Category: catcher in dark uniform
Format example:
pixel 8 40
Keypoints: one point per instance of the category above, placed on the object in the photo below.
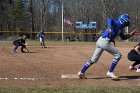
pixel 21 41
pixel 134 55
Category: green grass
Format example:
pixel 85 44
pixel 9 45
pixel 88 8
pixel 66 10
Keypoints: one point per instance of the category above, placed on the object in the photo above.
pixel 49 43
pixel 2 43
pixel 59 43
pixel 72 90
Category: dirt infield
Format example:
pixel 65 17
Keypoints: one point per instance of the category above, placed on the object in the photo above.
pixel 43 67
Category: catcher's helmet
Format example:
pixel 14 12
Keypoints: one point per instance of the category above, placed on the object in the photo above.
pixel 124 20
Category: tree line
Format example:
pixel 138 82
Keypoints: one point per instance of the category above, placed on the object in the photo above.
pixel 31 15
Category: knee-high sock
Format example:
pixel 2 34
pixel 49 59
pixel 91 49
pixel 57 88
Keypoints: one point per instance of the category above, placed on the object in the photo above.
pixel 15 48
pixel 112 67
pixel 86 66
pixel 115 62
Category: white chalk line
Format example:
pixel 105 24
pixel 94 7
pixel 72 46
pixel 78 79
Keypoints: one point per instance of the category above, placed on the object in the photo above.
pixel 31 79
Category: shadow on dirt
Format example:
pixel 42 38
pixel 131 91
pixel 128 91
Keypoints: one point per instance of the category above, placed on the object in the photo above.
pixel 121 77
pixel 129 77
pixel 32 52
pixel 98 78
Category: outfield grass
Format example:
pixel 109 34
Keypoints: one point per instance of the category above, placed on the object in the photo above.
pixel 59 43
pixel 49 43
pixel 72 90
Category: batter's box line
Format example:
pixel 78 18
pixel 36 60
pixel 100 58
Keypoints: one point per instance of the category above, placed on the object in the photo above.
pixel 30 79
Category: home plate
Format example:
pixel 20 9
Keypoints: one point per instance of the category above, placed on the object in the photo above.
pixel 69 76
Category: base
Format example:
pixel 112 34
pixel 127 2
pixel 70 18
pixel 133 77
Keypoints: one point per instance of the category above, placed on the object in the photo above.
pixel 69 76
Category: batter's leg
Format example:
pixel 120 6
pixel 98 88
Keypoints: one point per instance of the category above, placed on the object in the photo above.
pixel 117 56
pixel 93 59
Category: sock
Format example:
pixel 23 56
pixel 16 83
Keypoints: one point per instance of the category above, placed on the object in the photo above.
pixel 86 66
pixel 41 44
pixel 136 63
pixel 15 48
pixel 132 65
pixel 113 65
pixel 139 67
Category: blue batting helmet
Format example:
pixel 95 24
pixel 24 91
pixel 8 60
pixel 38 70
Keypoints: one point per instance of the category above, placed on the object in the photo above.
pixel 124 20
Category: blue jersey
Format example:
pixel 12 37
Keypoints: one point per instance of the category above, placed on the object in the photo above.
pixel 42 34
pixel 116 29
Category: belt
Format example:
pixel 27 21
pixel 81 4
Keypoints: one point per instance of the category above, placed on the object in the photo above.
pixel 105 37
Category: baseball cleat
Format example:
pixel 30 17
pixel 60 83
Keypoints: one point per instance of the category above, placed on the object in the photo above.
pixel 81 75
pixel 138 69
pixel 132 68
pixel 27 51
pixel 111 74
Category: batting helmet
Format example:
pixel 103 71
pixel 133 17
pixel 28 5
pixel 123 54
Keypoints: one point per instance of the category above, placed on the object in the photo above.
pixel 124 20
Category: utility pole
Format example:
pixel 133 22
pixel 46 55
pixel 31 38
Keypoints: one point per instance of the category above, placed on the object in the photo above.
pixel 62 9
pixel 32 19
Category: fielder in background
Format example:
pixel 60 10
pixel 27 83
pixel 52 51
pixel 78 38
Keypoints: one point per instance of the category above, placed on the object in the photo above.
pixel 41 36
pixel 21 41
pixel 115 28
pixel 134 55
pixel 24 44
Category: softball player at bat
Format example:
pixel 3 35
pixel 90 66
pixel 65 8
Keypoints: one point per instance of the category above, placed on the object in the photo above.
pixel 115 28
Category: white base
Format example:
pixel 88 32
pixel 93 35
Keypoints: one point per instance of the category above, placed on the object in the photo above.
pixel 69 76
